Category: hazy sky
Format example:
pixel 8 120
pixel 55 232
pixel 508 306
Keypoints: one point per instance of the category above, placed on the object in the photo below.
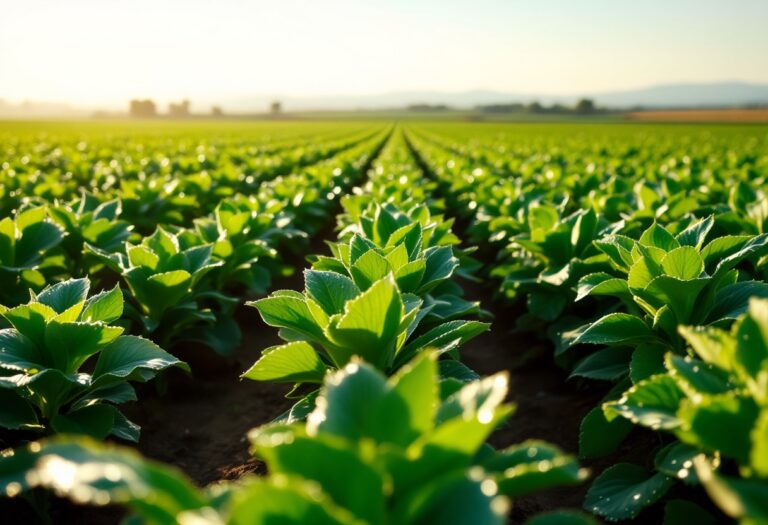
pixel 104 51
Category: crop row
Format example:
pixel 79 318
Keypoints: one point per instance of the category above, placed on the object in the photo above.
pixel 372 349
pixel 175 285
pixel 642 258
pixel 647 268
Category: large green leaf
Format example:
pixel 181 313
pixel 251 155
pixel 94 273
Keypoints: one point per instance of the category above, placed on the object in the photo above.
pixel 442 335
pixel 320 458
pixel 30 320
pixel 18 352
pixel 35 239
pixel 160 291
pixel 64 295
pixel 132 358
pixel 16 412
pixel 696 233
pixel 533 466
pixel 288 311
pixel 294 362
pixel 284 503
pixel 369 268
pixel 751 354
pixel 683 263
pixel 407 409
pixel 441 264
pixel 106 306
pixel 344 406
pixel 68 345
pixel 711 344
pixel 745 499
pixel 410 275
pixel 720 248
pixel 732 300
pixel 98 473
pixel 676 461
pixel 720 423
pixel 697 377
pixel 624 490
pixel 330 290
pixel 656 236
pixel 759 437
pixel 454 500
pixel 369 325
pixel 617 328
pixel 652 403
pixel 95 421
pixel 601 283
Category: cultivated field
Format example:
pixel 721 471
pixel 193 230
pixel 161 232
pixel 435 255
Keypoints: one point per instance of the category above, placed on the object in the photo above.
pixel 702 115
pixel 370 322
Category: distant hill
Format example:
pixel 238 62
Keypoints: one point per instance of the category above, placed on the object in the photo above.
pixel 688 95
pixel 720 94
pixel 669 96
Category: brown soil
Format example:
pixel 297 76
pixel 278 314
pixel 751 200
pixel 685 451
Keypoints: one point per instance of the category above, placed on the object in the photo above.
pixel 201 424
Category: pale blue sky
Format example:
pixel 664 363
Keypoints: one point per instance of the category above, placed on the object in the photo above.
pixel 105 51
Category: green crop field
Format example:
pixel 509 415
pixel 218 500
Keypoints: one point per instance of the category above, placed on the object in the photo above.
pixel 383 323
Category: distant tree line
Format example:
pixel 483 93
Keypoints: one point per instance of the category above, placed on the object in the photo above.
pixel 429 107
pixel 585 106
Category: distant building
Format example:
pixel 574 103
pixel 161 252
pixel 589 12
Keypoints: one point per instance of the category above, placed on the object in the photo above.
pixel 142 108
pixel 276 108
pixel 179 110
pixel 216 111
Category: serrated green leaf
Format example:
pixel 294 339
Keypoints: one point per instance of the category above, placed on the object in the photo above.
pixel 624 490
pixel 652 403
pixel 369 325
pixel 616 328
pixel 330 290
pixel 683 263
pixel 294 362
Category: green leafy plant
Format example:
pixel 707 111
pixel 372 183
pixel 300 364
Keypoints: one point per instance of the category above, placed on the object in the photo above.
pixel 87 220
pixel 46 383
pixel 25 244
pixel 414 459
pixel 168 291
pixel 244 240
pixel 716 403
pixel 669 281
pixel 373 300
pixel 548 259
pixel 418 248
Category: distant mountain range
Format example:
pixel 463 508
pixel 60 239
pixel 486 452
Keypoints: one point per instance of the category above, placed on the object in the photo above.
pixel 663 96
pixel 719 94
